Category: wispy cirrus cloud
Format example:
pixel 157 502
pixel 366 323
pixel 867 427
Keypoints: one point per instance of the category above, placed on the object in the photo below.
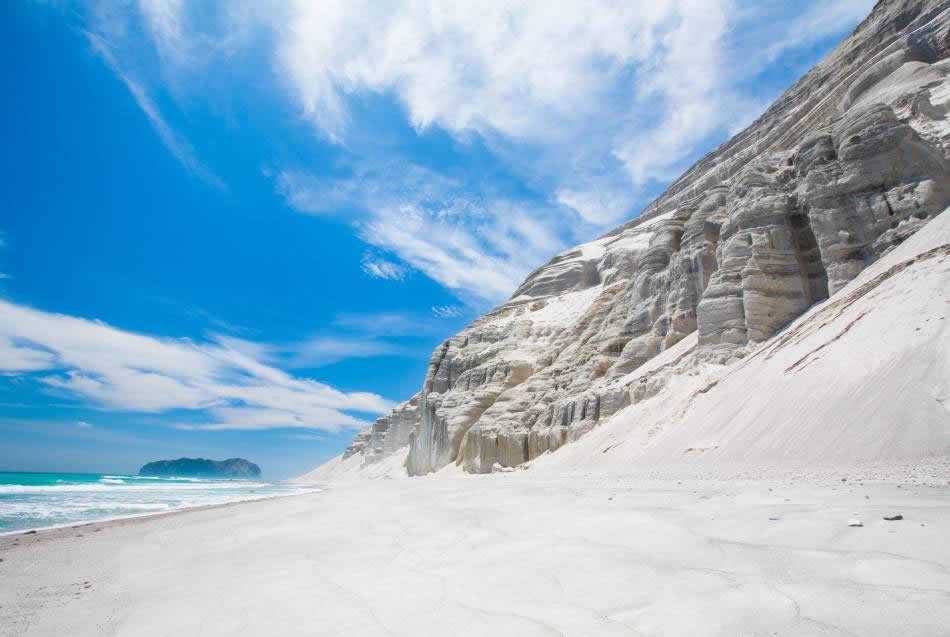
pixel 3 242
pixel 323 350
pixel 475 244
pixel 218 384
pixel 447 311
pixel 604 91
pixel 307 437
pixel 318 350
pixel 820 21
pixel 177 144
pixel 591 107
pixel 395 323
pixel 381 268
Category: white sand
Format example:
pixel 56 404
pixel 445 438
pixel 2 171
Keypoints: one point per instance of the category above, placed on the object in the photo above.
pixel 522 554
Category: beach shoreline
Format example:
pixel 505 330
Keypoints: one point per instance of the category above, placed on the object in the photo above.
pixel 526 553
pixel 67 526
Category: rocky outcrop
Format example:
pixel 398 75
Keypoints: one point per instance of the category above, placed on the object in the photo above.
pixel 801 225
pixel 238 468
pixel 846 165
pixel 387 434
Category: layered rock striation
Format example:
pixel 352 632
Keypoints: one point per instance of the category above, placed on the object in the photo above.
pixel 845 166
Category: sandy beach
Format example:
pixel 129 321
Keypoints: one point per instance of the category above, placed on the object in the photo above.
pixel 524 553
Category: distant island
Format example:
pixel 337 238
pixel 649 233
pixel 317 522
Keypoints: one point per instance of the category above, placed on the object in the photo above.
pixel 202 468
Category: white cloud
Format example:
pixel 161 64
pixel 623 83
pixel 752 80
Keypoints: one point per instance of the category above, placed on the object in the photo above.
pixel 308 437
pixel 316 351
pixel 165 20
pixel 823 20
pixel 176 143
pixel 388 324
pixel 19 356
pixel 380 268
pixel 596 205
pixel 448 251
pixel 583 77
pixel 230 418
pixel 447 311
pixel 3 276
pixel 591 105
pixel 391 323
pixel 478 245
pixel 507 66
pixel 324 350
pixel 118 370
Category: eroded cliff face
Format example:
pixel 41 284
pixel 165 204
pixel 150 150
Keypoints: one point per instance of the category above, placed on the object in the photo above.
pixel 388 434
pixel 845 166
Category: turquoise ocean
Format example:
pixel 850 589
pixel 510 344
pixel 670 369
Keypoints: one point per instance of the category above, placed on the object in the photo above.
pixel 37 500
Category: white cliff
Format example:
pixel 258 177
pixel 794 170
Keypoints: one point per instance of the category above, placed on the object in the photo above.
pixel 642 333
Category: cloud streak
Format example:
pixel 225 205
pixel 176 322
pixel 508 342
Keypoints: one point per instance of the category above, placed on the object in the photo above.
pixel 395 324
pixel 380 268
pixel 177 144
pixel 217 385
pixel 447 311
pixel 475 243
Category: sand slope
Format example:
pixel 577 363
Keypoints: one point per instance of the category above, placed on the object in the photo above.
pixel 864 376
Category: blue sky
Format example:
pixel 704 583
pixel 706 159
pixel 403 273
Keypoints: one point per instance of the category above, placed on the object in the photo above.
pixel 239 228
